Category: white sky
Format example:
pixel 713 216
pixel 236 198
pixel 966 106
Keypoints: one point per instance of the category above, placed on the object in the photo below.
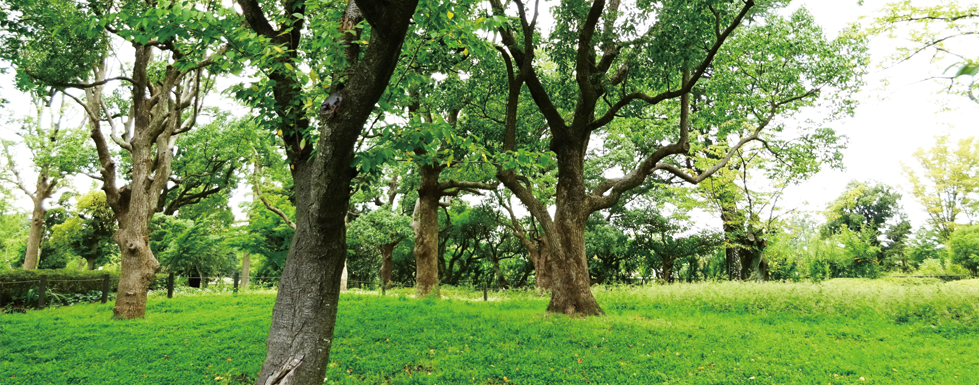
pixel 891 122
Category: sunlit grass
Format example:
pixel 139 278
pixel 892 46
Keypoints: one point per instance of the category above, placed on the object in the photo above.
pixel 838 331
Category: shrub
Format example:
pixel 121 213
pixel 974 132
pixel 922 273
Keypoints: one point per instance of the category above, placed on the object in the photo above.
pixel 964 247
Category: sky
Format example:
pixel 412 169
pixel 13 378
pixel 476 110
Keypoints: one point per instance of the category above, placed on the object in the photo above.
pixel 900 111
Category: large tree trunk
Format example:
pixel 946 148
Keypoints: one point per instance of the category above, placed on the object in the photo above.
pixel 570 281
pixel 757 266
pixel 425 224
pixel 387 263
pixel 31 258
pixel 668 270
pixel 542 277
pixel 305 311
pixel 138 263
pixel 306 305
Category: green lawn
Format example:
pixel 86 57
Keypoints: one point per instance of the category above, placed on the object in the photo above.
pixel 839 332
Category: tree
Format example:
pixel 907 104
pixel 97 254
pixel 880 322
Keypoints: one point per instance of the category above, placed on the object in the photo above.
pixel 963 247
pixel 57 152
pixel 164 100
pixel 305 309
pixel 607 72
pixel 861 206
pixel 193 248
pixel 948 183
pixel 381 229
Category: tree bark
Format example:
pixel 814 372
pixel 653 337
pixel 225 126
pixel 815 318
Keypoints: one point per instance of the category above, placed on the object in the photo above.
pixel 305 310
pixel 387 263
pixel 425 226
pixel 42 191
pixel 246 267
pixel 668 270
pixel 571 283
pixel 32 257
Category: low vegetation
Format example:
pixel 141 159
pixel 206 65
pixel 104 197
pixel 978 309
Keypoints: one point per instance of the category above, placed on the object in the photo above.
pixel 841 331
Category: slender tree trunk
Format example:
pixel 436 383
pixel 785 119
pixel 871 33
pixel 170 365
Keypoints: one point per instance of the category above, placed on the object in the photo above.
pixel 32 257
pixel 500 278
pixel 90 264
pixel 387 263
pixel 246 267
pixel 343 277
pixel 425 225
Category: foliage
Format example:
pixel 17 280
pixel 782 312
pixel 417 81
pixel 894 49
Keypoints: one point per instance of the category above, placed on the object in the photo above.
pixel 890 333
pixel 939 266
pixel 191 248
pixel 267 237
pixel 862 206
pixel 369 232
pixel 87 232
pixel 41 41
pixel 963 247
pixel 948 183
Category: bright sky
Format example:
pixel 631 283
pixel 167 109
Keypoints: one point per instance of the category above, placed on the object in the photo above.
pixel 891 122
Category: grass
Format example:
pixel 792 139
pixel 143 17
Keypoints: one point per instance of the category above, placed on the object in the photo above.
pixel 839 332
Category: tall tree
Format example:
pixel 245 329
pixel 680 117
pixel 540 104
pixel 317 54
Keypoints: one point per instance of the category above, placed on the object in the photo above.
pixel 57 152
pixel 949 182
pixel 305 309
pixel 637 69
pixel 862 205
pixel 173 43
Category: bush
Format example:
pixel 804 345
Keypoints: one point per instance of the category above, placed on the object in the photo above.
pixel 964 247
pixel 19 287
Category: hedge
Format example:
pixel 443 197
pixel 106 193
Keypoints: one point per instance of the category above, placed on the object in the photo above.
pixel 14 285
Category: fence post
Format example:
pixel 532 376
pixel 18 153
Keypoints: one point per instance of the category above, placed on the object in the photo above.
pixel 485 295
pixel 236 282
pixel 105 288
pixel 170 285
pixel 40 293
